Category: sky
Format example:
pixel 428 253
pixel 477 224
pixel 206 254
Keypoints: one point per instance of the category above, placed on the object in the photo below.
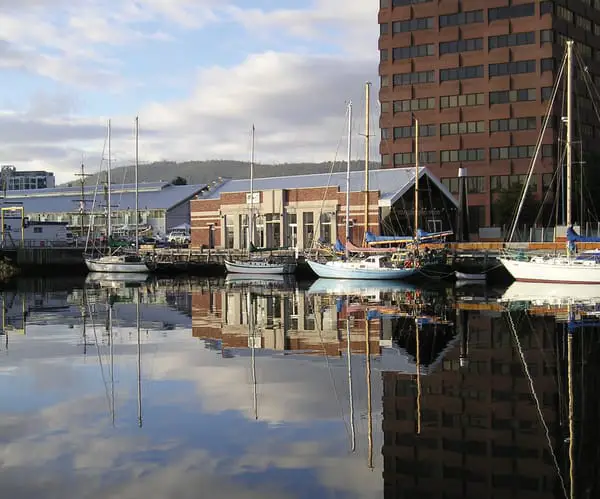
pixel 198 73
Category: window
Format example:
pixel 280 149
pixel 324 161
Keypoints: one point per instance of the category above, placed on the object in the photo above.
pixel 409 25
pixel 476 220
pixel 325 228
pixel 400 53
pixel 583 23
pixel 460 128
pixel 564 13
pixel 546 7
pixel 461 100
pixel 403 132
pixel 547 36
pixel 513 124
pixel 386 134
pixel 512 40
pixel 546 93
pixel 499 183
pixel 512 68
pixel 475 185
pixel 385 160
pixel 511 11
pixel 412 78
pixel 404 106
pixel 400 3
pixel 385 107
pixel 513 152
pixel 547 151
pixel 470 17
pixel 37 230
pixel 452 156
pixel 462 73
pixel 384 29
pixel 408 158
pixel 547 64
pixel 229 232
pixel 506 96
pixel 451 184
pixel 308 228
pixel 456 46
pixel 384 81
pixel 383 55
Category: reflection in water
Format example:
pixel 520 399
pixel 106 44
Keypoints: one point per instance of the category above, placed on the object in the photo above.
pixel 246 389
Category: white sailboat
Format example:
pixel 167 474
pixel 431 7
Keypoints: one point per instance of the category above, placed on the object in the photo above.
pixel 371 267
pixel 258 266
pixel 556 269
pixel 119 262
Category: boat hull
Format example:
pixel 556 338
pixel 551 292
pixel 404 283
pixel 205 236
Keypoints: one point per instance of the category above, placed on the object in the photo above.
pixel 462 276
pixel 341 272
pixel 259 268
pixel 97 265
pixel 569 272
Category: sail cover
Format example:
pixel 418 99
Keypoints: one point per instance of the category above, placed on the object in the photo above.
pixel 573 237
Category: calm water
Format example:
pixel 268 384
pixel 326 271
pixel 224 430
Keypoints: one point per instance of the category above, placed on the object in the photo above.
pixel 193 388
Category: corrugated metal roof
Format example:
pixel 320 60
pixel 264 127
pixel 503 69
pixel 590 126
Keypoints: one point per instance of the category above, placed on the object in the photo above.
pixel 152 195
pixel 391 183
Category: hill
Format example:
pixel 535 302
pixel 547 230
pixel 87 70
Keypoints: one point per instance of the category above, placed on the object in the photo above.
pixel 204 172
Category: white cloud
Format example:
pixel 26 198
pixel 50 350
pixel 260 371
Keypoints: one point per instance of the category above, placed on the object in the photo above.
pixel 295 98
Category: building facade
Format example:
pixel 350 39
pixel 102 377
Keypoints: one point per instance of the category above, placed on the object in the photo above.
pixel 26 180
pixel 478 76
pixel 297 211
pixel 161 206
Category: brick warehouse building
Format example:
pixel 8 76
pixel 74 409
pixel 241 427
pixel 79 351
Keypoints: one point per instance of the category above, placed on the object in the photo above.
pixel 478 76
pixel 296 210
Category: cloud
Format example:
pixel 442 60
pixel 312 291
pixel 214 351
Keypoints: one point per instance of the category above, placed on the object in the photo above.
pixel 300 68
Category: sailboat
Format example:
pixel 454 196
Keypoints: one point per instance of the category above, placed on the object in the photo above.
pixel 371 267
pixel 558 269
pixel 256 266
pixel 119 262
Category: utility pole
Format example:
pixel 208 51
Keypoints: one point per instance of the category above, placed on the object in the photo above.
pixel 82 175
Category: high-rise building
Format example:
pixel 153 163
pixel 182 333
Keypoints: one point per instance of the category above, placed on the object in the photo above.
pixel 478 76
pixel 25 180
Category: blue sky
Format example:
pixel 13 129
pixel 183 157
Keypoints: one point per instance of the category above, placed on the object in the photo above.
pixel 197 72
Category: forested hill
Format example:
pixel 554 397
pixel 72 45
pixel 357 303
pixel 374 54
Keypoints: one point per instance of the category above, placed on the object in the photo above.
pixel 204 172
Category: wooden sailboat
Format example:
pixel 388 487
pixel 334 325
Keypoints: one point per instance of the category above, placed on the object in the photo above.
pixel 257 266
pixel 561 269
pixel 119 262
pixel 372 267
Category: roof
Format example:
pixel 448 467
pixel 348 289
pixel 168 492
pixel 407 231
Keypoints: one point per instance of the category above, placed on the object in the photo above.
pixel 392 183
pixel 152 195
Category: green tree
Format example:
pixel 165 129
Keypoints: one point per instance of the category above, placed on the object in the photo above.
pixel 505 206
pixel 179 181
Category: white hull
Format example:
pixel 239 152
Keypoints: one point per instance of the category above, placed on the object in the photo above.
pixel 115 265
pixel 551 293
pixel 259 268
pixel 557 270
pixel 341 287
pixel 351 270
pixel 461 276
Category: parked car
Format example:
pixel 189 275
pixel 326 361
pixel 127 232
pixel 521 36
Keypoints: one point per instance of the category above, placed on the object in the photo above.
pixel 179 237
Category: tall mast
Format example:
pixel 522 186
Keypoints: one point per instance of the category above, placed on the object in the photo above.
pixel 416 177
pixel 137 165
pixel 569 131
pixel 108 181
pixel 347 253
pixel 139 359
pixel 251 215
pixel 350 392
pixel 367 153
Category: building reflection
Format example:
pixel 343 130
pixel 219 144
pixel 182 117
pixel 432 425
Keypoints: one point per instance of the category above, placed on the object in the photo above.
pixel 483 415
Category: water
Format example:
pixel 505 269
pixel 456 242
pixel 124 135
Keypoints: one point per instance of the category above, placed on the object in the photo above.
pixel 457 397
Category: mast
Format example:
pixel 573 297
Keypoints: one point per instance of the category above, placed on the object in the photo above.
pixel 109 189
pixel 139 359
pixel 351 394
pixel 137 165
pixel 569 130
pixel 367 154
pixel 369 403
pixel 251 215
pixel 347 253
pixel 416 177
